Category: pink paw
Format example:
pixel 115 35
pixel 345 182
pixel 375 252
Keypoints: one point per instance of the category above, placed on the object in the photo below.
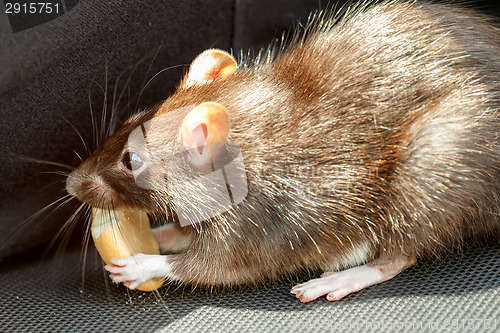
pixel 336 285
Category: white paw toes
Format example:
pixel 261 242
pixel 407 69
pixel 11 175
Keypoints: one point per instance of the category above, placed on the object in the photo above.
pixel 137 269
pixel 336 285
pixel 315 288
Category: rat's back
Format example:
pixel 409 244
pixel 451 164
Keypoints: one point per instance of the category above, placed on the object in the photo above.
pixel 396 109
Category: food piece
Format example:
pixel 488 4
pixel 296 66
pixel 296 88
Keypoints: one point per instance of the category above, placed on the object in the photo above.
pixel 120 234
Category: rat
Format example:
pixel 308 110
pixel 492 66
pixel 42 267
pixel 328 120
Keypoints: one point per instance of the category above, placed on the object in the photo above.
pixel 367 143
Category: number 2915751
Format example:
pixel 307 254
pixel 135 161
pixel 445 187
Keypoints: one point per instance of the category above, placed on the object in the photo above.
pixel 31 8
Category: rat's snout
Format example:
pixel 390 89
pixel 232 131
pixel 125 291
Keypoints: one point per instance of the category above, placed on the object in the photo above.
pixel 91 189
pixel 74 183
pixel 82 186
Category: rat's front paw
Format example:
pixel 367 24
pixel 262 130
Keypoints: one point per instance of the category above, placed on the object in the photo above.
pixel 137 269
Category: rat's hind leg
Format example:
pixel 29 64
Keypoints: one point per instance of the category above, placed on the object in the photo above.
pixel 172 237
pixel 336 285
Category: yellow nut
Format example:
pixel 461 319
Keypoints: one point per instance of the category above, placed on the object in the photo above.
pixel 120 234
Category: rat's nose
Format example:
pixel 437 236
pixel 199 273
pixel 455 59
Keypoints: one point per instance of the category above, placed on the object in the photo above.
pixel 71 184
pixel 88 188
pixel 76 183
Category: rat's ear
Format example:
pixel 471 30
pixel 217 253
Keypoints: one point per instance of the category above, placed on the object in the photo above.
pixel 203 128
pixel 210 65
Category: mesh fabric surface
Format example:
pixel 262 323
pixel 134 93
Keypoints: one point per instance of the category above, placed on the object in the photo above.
pixel 458 294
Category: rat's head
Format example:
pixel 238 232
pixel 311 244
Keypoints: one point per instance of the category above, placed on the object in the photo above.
pixel 154 156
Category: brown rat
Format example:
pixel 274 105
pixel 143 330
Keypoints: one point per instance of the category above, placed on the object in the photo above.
pixel 365 144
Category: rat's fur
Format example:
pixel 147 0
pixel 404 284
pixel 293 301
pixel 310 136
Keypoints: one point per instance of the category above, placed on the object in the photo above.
pixel 377 135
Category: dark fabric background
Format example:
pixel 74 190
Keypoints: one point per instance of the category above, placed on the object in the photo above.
pixel 47 74
pixel 52 69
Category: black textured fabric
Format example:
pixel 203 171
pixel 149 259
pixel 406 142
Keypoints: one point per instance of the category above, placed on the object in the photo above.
pixel 257 22
pixel 48 73
pixel 460 293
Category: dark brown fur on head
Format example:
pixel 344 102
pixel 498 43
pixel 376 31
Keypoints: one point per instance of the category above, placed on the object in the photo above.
pixel 378 132
pixel 103 180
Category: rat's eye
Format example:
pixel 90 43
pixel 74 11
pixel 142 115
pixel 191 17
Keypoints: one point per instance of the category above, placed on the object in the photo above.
pixel 133 161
